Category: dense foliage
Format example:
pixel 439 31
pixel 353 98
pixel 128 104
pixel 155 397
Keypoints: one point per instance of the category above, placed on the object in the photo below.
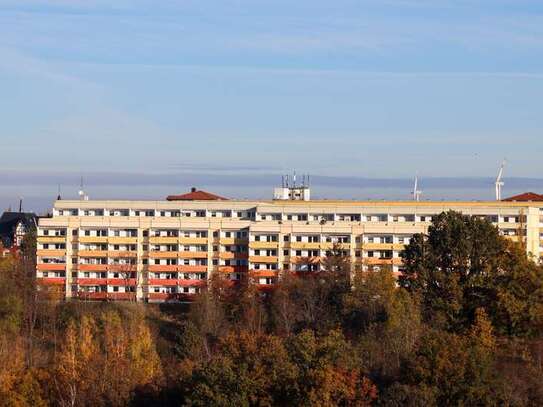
pixel 462 326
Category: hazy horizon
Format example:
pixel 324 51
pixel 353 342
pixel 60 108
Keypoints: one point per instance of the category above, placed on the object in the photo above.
pixel 40 190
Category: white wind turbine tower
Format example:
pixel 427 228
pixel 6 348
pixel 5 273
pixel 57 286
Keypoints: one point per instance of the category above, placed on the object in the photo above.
pixel 416 191
pixel 499 182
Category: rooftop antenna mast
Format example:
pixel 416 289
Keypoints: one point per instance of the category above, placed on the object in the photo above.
pixel 82 195
pixel 416 191
pixel 499 181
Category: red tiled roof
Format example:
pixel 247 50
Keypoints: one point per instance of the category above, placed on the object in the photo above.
pixel 195 195
pixel 525 197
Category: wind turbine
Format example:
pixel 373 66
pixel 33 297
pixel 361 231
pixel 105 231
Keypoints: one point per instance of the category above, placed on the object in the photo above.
pixel 499 182
pixel 416 191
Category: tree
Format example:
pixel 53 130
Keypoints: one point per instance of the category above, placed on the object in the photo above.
pixel 384 319
pixel 458 267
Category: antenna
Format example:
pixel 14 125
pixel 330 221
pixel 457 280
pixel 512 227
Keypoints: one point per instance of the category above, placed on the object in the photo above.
pixel 416 191
pixel 82 195
pixel 499 181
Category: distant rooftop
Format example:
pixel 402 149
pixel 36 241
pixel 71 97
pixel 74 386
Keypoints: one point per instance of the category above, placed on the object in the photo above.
pixel 196 195
pixel 525 197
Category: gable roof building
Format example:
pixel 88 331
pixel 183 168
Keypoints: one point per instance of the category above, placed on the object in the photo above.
pixel 13 227
pixel 196 195
pixel 525 197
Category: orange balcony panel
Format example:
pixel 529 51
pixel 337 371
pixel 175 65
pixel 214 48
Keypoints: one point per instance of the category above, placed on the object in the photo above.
pixel 193 255
pixel 233 269
pixel 193 240
pixel 51 281
pixel 163 255
pixel 233 255
pixel 160 268
pixel 92 253
pixel 263 259
pixel 92 296
pixel 192 269
pixel 51 267
pixel 121 282
pixel 122 254
pixel 91 281
pixel 163 240
pixel 51 252
pixel 226 255
pixel 123 268
pixel 192 283
pixel 377 261
pixel 264 273
pixel 92 267
pixel 163 282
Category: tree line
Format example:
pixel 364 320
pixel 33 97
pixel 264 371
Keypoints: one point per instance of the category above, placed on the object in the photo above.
pixel 463 325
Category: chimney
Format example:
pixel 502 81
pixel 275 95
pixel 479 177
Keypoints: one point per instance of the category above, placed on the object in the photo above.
pixel 20 205
pixel 193 189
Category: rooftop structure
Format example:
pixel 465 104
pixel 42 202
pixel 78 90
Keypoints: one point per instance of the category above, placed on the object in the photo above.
pixel 195 195
pixel 525 197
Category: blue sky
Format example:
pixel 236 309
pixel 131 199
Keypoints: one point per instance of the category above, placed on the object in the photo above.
pixel 367 88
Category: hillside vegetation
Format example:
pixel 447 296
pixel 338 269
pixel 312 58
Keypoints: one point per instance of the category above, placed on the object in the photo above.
pixel 462 326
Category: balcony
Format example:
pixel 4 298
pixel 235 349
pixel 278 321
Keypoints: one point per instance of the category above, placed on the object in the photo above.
pixel 195 269
pixel 163 282
pixel 381 246
pixel 51 252
pixel 124 268
pixel 264 273
pixel 92 239
pixel 90 281
pixel 164 240
pixel 122 240
pixel 233 269
pixel 91 267
pixel 51 266
pixel 164 268
pixel 51 281
pixel 51 239
pixel 192 240
pixel 163 255
pixel 263 245
pixel 382 261
pixel 122 254
pixel 122 282
pixel 193 255
pixel 232 241
pixel 304 245
pixel 192 283
pixel 263 259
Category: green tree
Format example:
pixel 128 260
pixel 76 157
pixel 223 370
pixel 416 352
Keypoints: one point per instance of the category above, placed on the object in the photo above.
pixel 464 264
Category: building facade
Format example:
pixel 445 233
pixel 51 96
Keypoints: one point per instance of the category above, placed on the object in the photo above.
pixel 167 250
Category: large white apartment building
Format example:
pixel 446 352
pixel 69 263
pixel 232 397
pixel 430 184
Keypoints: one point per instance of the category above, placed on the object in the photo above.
pixel 167 250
